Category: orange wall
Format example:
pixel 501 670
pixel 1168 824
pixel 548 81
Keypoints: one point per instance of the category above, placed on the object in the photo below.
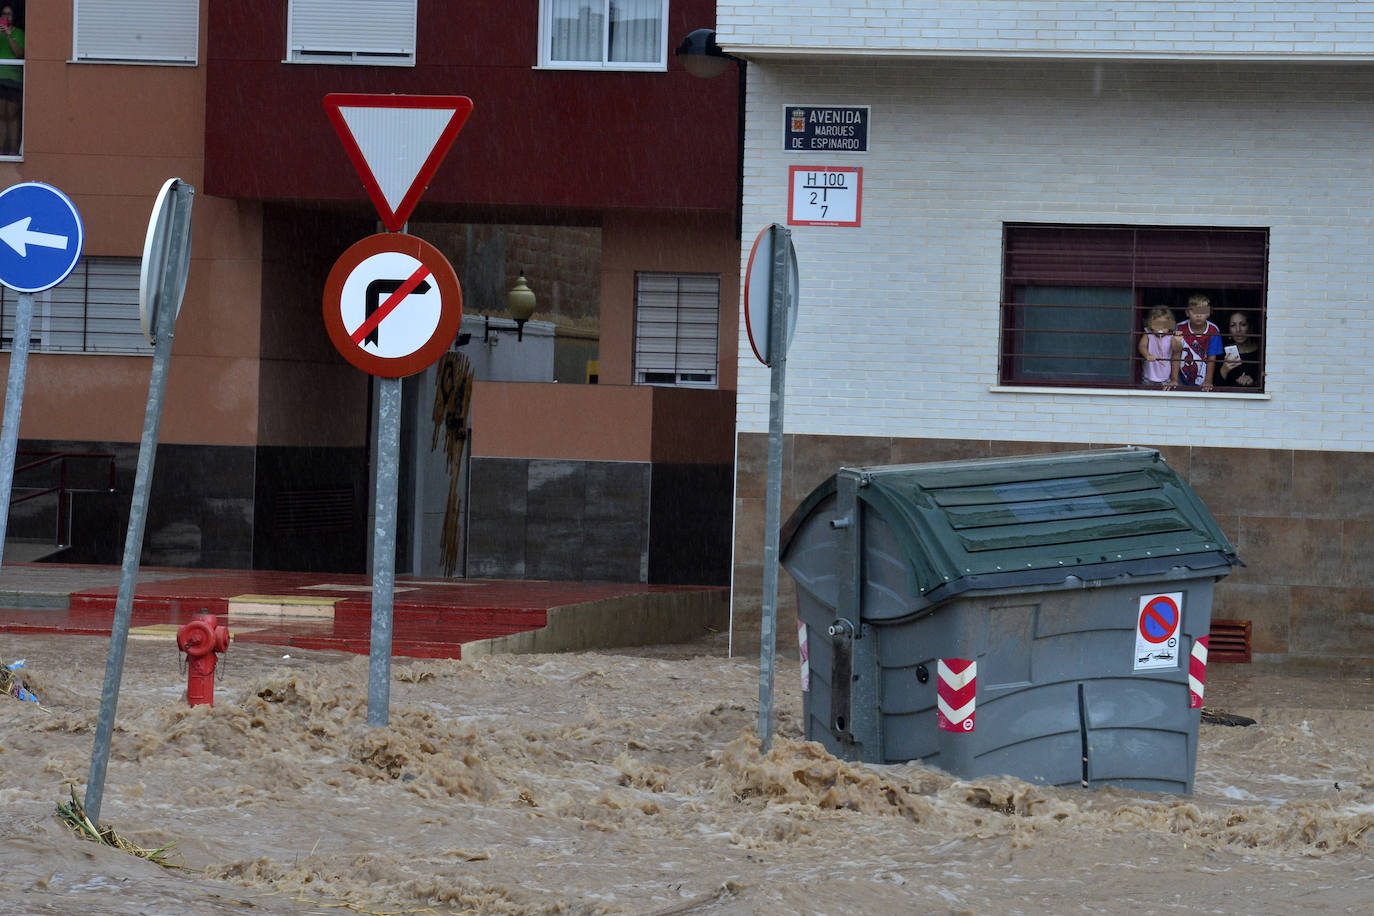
pixel 602 422
pixel 579 422
pixel 109 136
pixel 678 242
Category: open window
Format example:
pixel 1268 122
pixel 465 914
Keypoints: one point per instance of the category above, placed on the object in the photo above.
pixel 603 34
pixel 1075 298
pixel 11 80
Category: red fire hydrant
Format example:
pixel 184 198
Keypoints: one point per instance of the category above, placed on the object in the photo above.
pixel 201 640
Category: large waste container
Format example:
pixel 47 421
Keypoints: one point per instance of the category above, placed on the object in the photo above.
pixel 1037 616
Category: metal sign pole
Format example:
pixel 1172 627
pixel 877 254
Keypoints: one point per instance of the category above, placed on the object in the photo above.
pixel 171 287
pixel 772 512
pixel 133 546
pixel 14 406
pixel 384 550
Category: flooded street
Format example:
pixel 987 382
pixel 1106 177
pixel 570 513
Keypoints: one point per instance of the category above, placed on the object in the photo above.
pixel 631 783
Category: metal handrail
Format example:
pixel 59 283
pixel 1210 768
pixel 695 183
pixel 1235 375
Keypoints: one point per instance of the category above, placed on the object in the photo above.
pixel 63 492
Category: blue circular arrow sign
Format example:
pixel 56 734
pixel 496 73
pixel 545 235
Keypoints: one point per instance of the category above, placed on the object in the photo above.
pixel 40 236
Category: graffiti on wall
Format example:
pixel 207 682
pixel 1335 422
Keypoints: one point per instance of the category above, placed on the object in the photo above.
pixel 452 398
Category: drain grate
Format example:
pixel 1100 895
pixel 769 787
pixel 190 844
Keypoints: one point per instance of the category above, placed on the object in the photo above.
pixel 1229 641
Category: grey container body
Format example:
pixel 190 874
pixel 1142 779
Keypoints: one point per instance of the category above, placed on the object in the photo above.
pixel 1059 700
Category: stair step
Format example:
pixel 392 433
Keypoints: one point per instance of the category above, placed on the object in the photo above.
pixel 22 550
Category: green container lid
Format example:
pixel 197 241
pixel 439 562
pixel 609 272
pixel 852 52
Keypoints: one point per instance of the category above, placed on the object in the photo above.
pixel 1000 522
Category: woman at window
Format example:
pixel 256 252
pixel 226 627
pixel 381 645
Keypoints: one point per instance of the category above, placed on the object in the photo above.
pixel 11 82
pixel 1240 366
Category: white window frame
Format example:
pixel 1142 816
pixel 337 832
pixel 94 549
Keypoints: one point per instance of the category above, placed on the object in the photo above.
pixel 546 60
pixel 165 32
pixel 323 32
pixel 673 350
pixel 94 310
pixel 23 109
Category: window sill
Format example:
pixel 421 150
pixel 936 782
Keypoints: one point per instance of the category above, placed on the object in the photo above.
pixel 603 68
pixel 1134 392
pixel 133 62
pixel 346 62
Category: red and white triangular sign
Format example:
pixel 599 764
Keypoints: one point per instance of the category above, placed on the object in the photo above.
pixel 396 143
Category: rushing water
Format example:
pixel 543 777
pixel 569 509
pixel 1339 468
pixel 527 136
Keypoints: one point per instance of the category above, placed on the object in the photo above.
pixel 632 783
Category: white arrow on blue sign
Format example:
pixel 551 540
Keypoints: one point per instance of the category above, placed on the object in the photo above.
pixel 40 236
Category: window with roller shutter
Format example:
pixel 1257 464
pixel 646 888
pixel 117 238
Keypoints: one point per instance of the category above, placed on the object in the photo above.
pixel 677 328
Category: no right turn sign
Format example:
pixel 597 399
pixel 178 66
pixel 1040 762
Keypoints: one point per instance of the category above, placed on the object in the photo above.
pixel 392 305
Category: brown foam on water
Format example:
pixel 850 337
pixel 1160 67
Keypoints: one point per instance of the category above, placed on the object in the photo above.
pixel 594 783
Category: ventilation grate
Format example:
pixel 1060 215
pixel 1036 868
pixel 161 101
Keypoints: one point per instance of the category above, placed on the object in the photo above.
pixel 1229 641
pixel 314 511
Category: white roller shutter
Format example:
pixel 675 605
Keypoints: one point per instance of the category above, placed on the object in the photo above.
pixel 155 31
pixel 94 310
pixel 677 322
pixel 361 31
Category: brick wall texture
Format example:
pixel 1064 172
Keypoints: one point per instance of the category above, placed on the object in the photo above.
pixel 899 319
pixel 1270 28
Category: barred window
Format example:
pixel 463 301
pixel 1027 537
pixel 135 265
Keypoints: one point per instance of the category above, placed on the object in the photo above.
pixel 677 324
pixel 1075 301
pixel 94 310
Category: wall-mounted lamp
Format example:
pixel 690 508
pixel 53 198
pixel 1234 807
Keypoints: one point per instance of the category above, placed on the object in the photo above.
pixel 702 57
pixel 520 304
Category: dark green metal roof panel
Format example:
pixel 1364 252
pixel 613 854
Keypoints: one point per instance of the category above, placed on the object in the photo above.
pixel 1058 511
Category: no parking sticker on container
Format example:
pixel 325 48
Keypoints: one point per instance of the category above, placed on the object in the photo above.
pixel 1157 629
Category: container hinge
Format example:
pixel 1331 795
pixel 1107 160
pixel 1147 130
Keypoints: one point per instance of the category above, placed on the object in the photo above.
pixel 841 677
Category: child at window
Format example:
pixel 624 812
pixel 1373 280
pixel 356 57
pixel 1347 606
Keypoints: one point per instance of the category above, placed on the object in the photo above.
pixel 1160 347
pixel 1201 344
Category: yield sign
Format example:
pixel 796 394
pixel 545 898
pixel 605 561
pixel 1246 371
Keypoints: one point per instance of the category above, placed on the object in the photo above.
pixel 396 143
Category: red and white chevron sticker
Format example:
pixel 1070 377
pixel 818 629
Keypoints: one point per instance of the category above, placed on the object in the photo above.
pixel 1197 672
pixel 955 692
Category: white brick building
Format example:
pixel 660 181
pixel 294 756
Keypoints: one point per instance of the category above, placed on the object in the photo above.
pixel 1187 128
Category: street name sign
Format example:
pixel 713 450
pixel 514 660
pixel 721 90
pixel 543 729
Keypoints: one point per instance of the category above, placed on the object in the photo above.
pixel 392 304
pixel 825 128
pixel 40 236
pixel 396 143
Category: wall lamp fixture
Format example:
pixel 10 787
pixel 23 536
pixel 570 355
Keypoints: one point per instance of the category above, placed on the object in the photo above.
pixel 520 303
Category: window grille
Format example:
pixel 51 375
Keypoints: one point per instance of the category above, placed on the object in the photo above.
pixel 1075 298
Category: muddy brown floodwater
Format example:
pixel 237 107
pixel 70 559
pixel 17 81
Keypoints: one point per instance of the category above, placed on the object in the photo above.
pixel 631 782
